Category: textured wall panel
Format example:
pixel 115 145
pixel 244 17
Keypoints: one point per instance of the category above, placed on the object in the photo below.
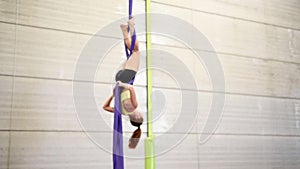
pixel 243 152
pixel 54 54
pixel 4 146
pixel 242 114
pixel 5 101
pixel 282 13
pixel 183 155
pixel 41 104
pixel 172 115
pixel 44 53
pixel 242 75
pixel 78 16
pixel 8 10
pixel 256 115
pixel 68 150
pixel 56 150
pixel 238 37
pixel 7 47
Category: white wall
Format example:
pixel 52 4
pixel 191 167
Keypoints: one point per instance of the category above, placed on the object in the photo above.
pixel 258 44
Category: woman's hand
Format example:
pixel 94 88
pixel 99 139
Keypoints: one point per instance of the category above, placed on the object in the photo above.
pixel 125 85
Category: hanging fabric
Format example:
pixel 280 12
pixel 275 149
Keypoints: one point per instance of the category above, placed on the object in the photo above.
pixel 118 159
pixel 133 38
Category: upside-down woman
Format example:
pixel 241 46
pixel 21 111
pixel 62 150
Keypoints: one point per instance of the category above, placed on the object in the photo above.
pixel 123 77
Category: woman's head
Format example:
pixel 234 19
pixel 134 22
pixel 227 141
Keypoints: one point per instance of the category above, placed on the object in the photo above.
pixel 136 118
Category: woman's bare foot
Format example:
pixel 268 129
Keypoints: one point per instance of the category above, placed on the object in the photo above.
pixel 131 21
pixel 124 29
pixel 131 25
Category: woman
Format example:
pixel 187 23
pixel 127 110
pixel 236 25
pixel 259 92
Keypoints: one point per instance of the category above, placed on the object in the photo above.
pixel 123 77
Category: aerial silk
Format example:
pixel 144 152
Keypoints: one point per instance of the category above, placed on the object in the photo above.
pixel 118 154
pixel 118 160
pixel 133 38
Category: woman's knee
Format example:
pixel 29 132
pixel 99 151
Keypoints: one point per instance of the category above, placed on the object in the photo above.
pixel 128 42
pixel 136 45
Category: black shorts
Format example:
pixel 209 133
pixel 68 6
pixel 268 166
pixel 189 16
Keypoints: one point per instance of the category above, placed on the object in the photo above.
pixel 125 76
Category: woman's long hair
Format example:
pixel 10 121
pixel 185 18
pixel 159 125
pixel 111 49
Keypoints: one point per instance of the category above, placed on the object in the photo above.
pixel 135 138
pixel 136 135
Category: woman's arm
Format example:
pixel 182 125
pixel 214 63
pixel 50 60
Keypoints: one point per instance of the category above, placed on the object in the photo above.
pixel 133 97
pixel 106 105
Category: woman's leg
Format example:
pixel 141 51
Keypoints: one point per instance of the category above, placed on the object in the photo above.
pixel 132 30
pixel 133 62
pixel 127 38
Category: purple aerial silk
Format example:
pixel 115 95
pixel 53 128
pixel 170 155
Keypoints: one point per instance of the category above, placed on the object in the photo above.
pixel 133 38
pixel 130 8
pixel 118 154
pixel 118 159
